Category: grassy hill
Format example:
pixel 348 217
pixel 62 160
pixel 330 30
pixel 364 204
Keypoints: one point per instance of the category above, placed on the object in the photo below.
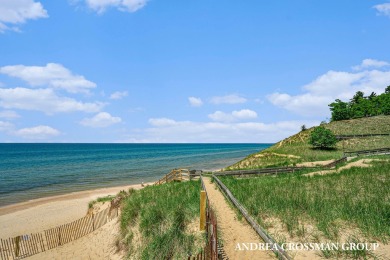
pixel 350 206
pixel 158 222
pixel 295 149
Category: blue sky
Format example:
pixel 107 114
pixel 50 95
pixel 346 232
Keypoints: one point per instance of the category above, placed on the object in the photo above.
pixel 183 71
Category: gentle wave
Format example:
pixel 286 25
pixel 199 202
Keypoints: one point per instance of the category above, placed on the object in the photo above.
pixel 29 171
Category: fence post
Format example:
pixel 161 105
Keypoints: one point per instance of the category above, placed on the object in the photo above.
pixel 17 246
pixel 202 210
pixel 93 222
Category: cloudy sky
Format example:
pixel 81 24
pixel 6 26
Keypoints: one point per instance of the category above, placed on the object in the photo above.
pixel 183 71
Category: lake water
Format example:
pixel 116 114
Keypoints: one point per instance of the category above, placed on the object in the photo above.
pixel 29 171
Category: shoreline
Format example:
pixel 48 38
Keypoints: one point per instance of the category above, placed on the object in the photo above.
pixel 40 214
pixel 11 208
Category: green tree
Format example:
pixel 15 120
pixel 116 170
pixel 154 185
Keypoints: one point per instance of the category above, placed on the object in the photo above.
pixel 340 110
pixel 322 138
pixel 357 97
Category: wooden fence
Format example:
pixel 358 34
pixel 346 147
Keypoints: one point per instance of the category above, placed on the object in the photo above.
pixel 27 245
pixel 344 137
pixel 278 250
pixel 367 152
pixel 266 171
pixel 178 175
pixel 336 162
pixel 261 171
pixel 212 250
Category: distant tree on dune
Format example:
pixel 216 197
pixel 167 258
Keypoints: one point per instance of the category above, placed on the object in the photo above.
pixel 322 138
pixel 361 106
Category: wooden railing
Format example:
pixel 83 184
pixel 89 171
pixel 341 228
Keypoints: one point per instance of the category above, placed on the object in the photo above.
pixel 278 250
pixel 343 137
pixel 212 250
pixel 277 170
pixel 367 152
pixel 262 171
pixel 177 175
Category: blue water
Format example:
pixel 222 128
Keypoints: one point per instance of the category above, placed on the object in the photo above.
pixel 29 171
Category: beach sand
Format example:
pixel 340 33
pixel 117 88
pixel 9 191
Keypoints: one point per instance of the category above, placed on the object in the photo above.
pixel 40 214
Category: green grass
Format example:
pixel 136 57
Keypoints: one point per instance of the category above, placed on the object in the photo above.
pixel 359 197
pixel 162 215
pixel 300 151
pixel 101 199
pixel 368 125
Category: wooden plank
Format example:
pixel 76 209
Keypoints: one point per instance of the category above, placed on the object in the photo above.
pixel 43 248
pixel 10 248
pixel 4 252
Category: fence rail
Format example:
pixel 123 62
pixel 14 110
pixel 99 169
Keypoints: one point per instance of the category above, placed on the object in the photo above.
pixel 367 152
pixel 343 137
pixel 336 162
pixel 266 171
pixel 27 245
pixel 261 171
pixel 278 250
pixel 210 251
pixel 175 175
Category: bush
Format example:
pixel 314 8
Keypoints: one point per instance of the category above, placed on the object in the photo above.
pixel 322 138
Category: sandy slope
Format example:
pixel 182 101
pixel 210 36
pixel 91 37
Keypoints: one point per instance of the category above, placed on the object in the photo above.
pixel 98 245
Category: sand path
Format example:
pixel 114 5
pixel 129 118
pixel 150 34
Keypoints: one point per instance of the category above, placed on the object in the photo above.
pixel 232 230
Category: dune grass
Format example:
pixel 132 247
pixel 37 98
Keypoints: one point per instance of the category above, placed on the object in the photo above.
pixel 359 197
pixel 295 149
pixel 101 199
pixel 162 215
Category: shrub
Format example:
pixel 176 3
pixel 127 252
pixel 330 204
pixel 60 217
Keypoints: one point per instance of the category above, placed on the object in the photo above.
pixel 322 138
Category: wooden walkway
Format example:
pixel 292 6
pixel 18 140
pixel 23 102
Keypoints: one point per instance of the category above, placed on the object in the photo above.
pixel 178 175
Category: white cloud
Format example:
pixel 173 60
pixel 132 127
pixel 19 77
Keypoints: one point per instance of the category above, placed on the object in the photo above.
pixel 100 6
pixel 103 119
pixel 52 75
pixel 220 116
pixel 371 63
pixel 37 132
pixel 5 126
pixel 44 100
pixel 161 121
pixel 243 114
pixel 383 9
pixel 229 99
pixel 15 12
pixel 9 114
pixel 330 86
pixel 118 95
pixel 168 131
pixel 195 102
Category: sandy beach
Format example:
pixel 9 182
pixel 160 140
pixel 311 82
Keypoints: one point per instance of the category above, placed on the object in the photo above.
pixel 44 213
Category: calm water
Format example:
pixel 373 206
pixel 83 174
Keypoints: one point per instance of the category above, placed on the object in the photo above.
pixel 29 171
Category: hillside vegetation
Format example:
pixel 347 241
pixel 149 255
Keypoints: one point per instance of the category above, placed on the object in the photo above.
pixel 161 222
pixel 295 149
pixel 349 206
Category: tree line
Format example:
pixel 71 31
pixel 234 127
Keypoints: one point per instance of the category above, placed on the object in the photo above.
pixel 361 106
